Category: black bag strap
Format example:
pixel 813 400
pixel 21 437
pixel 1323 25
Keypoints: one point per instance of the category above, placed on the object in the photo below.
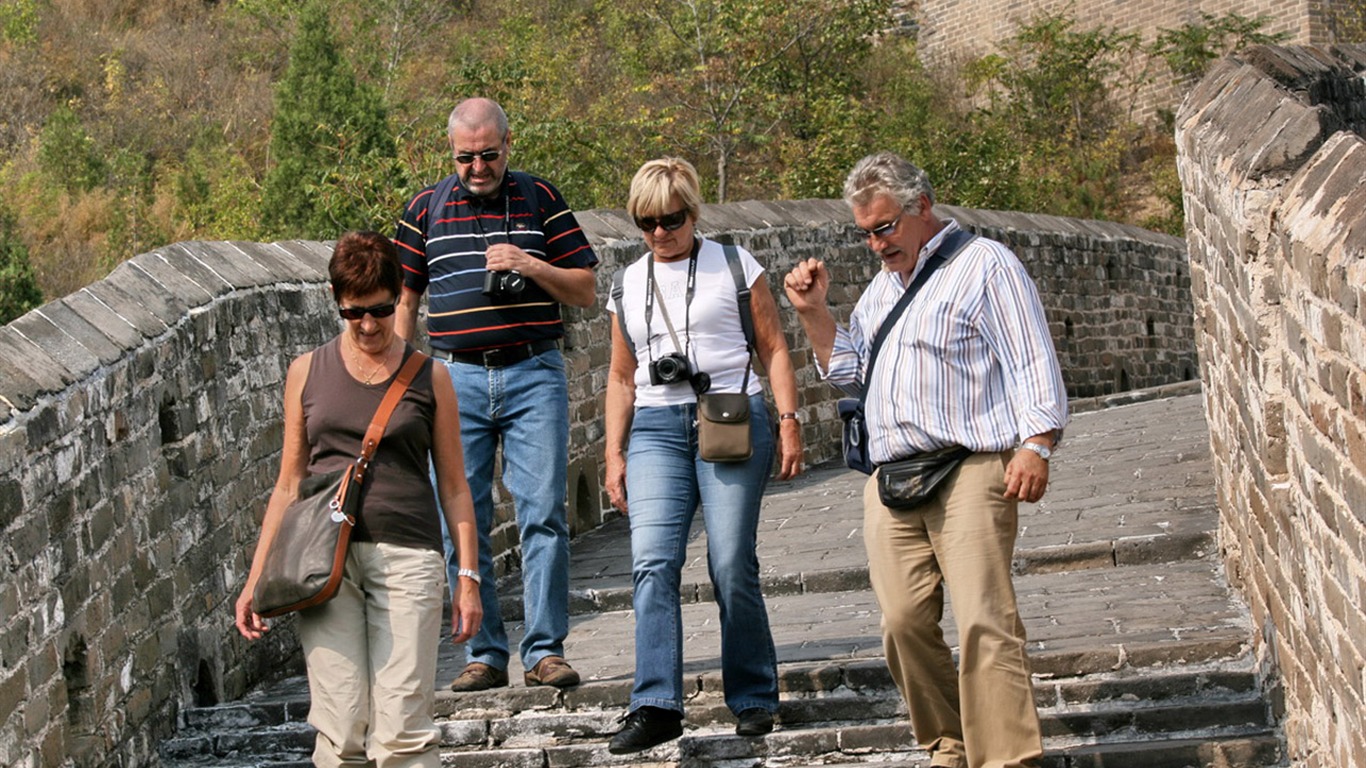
pixel 737 273
pixel 618 291
pixel 948 248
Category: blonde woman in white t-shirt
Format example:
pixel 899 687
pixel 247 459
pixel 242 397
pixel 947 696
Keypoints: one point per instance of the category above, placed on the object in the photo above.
pixel 653 470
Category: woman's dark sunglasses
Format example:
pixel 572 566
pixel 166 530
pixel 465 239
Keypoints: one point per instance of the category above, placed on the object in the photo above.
pixel 487 155
pixel 357 313
pixel 669 221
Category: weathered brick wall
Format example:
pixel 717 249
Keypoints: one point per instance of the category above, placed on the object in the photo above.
pixel 956 30
pixel 140 435
pixel 1272 162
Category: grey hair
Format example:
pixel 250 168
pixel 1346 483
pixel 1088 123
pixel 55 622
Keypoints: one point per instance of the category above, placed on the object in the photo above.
pixel 476 112
pixel 888 173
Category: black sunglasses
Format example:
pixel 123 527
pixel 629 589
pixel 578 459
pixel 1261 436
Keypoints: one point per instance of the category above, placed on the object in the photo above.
pixel 487 155
pixel 358 313
pixel 669 221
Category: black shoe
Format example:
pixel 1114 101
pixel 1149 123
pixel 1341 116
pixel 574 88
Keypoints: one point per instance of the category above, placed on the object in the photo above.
pixel 646 727
pixel 754 722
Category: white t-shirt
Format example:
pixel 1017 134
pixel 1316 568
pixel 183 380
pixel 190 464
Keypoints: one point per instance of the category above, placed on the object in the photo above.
pixel 713 338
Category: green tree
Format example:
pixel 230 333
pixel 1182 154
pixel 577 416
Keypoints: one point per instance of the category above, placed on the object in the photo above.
pixel 18 287
pixel 1189 50
pixel 728 79
pixel 335 165
pixel 67 154
pixel 19 21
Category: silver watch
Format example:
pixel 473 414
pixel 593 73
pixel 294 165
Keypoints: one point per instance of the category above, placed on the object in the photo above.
pixel 1044 451
pixel 469 574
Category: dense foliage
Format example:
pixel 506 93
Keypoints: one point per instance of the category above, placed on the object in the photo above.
pixel 129 124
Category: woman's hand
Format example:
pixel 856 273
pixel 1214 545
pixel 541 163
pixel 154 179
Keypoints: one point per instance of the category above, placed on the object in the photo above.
pixel 616 481
pixel 467 612
pixel 249 622
pixel 789 448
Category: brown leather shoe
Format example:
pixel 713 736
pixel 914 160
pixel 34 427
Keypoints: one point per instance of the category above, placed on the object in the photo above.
pixel 479 677
pixel 552 670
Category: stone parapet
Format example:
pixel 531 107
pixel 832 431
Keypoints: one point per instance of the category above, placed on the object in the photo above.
pixel 1272 162
pixel 140 436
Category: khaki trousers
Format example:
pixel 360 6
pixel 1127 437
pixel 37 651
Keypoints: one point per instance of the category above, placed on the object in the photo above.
pixel 982 715
pixel 371 655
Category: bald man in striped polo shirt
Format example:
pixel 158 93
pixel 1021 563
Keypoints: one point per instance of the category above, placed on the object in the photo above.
pixel 498 252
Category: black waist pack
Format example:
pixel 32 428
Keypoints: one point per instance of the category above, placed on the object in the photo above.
pixel 908 483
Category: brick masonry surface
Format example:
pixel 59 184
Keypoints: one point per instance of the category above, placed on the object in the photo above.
pixel 1272 162
pixel 140 435
pixel 954 31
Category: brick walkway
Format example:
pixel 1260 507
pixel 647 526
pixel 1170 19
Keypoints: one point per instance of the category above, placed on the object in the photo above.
pixel 1130 487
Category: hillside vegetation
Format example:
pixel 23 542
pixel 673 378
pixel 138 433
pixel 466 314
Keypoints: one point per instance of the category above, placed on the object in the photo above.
pixel 129 124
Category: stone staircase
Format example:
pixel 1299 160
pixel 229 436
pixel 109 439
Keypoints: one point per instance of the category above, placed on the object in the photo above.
pixel 1140 652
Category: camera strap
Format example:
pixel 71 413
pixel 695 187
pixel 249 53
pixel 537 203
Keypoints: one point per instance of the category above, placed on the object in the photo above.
pixel 743 303
pixel 652 293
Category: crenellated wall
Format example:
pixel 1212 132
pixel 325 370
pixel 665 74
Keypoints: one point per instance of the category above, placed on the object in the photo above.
pixel 140 435
pixel 1272 163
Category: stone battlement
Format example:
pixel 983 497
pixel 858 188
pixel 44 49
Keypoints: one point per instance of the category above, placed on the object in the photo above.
pixel 1272 159
pixel 140 436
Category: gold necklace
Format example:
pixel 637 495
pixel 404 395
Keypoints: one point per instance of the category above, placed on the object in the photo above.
pixel 383 363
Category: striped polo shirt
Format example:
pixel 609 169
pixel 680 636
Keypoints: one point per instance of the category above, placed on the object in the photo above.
pixel 971 361
pixel 442 245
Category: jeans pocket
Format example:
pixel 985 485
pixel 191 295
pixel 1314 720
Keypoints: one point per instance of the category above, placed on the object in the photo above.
pixel 551 360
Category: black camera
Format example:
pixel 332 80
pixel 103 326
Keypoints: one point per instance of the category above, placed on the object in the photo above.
pixel 670 369
pixel 503 283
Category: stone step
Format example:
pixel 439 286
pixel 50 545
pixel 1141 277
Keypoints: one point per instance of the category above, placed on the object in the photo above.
pixel 822 705
pixel 800 684
pixel 1148 549
pixel 1245 746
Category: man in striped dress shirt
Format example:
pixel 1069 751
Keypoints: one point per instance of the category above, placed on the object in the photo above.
pixel 498 254
pixel 970 362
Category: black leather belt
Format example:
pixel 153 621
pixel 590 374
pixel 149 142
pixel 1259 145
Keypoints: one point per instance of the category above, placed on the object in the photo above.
pixel 499 357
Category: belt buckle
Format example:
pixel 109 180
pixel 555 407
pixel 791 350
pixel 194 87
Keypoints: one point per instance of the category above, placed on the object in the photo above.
pixel 493 358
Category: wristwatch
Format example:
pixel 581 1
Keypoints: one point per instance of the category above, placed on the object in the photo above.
pixel 1044 451
pixel 471 575
pixel 789 415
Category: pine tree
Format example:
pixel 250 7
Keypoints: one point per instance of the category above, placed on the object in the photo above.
pixel 335 160
pixel 19 290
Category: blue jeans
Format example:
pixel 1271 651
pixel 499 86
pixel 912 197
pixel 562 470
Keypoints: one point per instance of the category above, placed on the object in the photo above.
pixel 665 480
pixel 526 406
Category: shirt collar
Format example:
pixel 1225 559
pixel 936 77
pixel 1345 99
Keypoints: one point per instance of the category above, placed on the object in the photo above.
pixel 950 226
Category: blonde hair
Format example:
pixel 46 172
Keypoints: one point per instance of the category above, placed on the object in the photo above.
pixel 658 183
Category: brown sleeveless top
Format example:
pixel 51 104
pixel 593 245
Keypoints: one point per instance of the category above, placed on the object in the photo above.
pixel 398 505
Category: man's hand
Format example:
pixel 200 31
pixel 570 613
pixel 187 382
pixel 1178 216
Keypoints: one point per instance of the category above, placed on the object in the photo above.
pixel 501 257
pixel 1026 476
pixel 807 285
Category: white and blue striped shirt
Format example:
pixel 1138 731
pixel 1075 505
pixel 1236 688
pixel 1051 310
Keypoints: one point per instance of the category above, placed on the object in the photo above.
pixel 970 362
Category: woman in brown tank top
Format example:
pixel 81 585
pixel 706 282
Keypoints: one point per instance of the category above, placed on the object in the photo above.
pixel 377 640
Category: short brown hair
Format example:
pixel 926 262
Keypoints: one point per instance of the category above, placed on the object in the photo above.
pixel 363 263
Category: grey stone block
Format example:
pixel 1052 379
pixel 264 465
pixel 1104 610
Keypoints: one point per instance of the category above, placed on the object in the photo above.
pixel 231 264
pixel 147 293
pixel 167 267
pixel 75 326
pixel 108 322
pixel 22 362
pixel 305 262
